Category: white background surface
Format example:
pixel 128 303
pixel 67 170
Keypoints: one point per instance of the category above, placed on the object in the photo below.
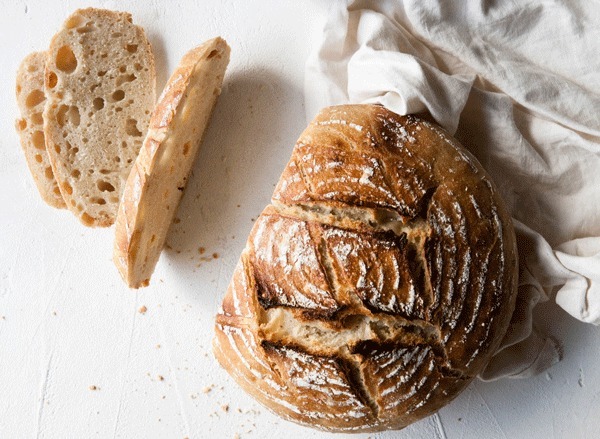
pixel 67 322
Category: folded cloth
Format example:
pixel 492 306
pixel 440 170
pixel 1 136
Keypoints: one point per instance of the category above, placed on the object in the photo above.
pixel 518 83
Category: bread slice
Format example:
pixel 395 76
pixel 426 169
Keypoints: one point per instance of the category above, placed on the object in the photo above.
pixel 100 90
pixel 159 175
pixel 30 99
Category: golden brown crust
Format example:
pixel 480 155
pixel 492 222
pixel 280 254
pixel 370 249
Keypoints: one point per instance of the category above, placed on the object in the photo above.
pixel 379 283
pixel 160 172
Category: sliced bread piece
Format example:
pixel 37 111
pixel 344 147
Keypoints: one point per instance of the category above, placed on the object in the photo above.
pixel 160 173
pixel 30 99
pixel 100 90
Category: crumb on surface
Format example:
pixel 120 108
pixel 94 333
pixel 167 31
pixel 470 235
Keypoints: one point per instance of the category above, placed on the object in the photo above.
pixel 94 388
pixel 143 309
pixel 161 378
pixel 225 407
pixel 207 389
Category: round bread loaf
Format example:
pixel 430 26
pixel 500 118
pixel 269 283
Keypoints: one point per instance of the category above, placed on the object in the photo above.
pixel 379 282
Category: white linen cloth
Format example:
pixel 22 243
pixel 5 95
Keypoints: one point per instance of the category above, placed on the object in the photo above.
pixel 518 83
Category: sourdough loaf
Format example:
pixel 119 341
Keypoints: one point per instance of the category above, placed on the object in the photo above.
pixel 160 172
pixel 378 283
pixel 30 126
pixel 100 89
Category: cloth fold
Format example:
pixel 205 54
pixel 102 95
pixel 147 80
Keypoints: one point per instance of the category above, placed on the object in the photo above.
pixel 519 86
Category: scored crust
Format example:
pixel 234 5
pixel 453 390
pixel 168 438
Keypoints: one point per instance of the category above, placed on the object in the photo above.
pixel 159 175
pixel 379 282
pixel 30 99
pixel 100 89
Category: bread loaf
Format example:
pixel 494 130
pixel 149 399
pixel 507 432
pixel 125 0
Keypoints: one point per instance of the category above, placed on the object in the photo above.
pixel 30 126
pixel 378 283
pixel 159 175
pixel 100 89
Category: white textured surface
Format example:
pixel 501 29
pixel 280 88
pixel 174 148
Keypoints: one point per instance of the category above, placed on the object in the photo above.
pixel 68 323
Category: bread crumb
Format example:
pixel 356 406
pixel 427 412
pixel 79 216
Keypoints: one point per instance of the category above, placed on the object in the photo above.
pixel 143 309
pixel 236 436
pixel 94 388
pixel 54 313
pixel 158 346
pixel 161 378
pixel 225 407
pixel 208 388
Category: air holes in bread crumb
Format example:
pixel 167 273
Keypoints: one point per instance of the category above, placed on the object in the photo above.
pixel 105 171
pixel 34 98
pixel 48 173
pixel 98 104
pixel 118 95
pixel 122 79
pixel 105 186
pixel 21 124
pixel 73 115
pixel 67 187
pixel 38 158
pixel 69 114
pixel 75 173
pixel 38 139
pixel 98 200
pixel 132 48
pixel 186 148
pixel 212 54
pixel 89 26
pixel 65 60
pixel 51 80
pixel 131 128
pixel 37 118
